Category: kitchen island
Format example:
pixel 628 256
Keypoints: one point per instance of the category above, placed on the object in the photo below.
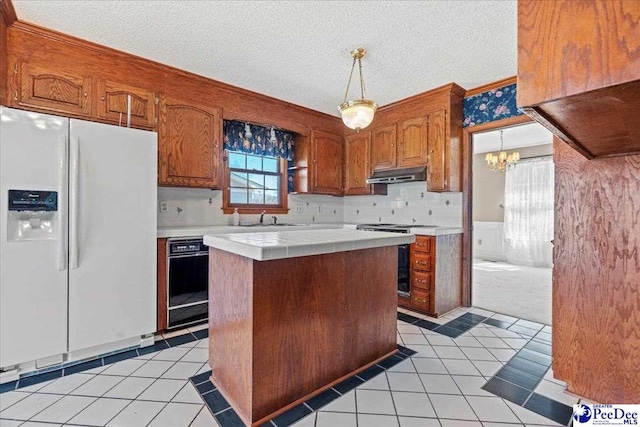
pixel 292 313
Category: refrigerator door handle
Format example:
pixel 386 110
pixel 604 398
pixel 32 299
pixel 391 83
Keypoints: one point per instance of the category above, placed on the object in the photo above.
pixel 74 202
pixel 62 211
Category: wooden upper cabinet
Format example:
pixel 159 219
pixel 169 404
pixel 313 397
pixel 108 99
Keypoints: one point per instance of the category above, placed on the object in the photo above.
pixel 112 105
pixel 356 163
pixel 190 144
pixel 579 72
pixel 54 91
pixel 438 166
pixel 412 142
pixel 326 166
pixel 383 148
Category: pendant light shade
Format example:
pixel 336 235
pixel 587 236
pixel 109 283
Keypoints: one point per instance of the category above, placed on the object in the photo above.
pixel 357 114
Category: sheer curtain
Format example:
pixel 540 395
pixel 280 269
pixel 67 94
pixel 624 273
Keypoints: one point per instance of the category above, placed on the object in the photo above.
pixel 528 212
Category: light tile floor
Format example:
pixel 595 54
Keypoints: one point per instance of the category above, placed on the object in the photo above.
pixel 440 386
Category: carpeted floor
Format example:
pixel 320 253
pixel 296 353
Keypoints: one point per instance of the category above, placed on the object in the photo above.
pixel 515 290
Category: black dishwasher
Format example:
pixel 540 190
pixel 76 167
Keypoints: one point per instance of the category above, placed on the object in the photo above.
pixel 188 282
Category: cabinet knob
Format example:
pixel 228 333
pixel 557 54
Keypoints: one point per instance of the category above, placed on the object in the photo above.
pixel 431 151
pixel 103 98
pixel 85 94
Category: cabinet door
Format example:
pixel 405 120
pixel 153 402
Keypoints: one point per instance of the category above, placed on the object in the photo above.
pixel 53 90
pixel 190 144
pixel 437 170
pixel 412 142
pixel 326 152
pixel 356 170
pixel 112 105
pixel 383 148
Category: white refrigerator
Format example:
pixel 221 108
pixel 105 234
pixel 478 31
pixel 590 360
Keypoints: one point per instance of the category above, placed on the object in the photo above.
pixel 77 235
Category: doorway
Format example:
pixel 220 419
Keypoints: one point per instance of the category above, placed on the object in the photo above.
pixel 511 218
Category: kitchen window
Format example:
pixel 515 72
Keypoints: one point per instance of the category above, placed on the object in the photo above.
pixel 255 184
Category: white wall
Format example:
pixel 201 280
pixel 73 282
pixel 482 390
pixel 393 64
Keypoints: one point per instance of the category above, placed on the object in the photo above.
pixel 407 203
pixel 203 207
pixel 488 186
pixel 488 240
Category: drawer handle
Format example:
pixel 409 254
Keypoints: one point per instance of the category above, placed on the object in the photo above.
pixel 421 244
pixel 419 300
pixel 421 281
pixel 421 262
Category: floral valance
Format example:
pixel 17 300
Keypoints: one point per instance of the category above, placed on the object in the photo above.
pixel 492 105
pixel 260 140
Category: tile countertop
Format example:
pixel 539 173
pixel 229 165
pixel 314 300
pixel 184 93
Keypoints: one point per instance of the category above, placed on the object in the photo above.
pixel 435 231
pixel 269 245
pixel 199 231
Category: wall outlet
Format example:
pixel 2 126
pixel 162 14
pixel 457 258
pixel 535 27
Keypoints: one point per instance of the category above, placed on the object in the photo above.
pixel 162 206
pixel 479 241
pixel 299 208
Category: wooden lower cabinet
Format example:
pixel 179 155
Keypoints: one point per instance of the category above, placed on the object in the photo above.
pixel 435 275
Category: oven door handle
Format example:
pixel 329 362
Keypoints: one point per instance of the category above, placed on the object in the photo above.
pixel 188 255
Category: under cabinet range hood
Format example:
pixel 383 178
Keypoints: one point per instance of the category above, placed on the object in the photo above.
pixel 396 176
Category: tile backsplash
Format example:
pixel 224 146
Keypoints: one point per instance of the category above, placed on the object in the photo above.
pixel 193 207
pixel 405 203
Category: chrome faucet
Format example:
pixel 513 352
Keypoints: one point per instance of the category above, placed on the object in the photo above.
pixel 262 217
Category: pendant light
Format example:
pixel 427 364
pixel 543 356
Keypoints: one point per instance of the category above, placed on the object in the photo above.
pixel 503 161
pixel 357 114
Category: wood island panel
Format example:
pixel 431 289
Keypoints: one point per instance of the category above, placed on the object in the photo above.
pixel 286 329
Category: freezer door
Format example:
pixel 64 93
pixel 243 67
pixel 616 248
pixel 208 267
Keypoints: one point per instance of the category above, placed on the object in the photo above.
pixel 33 245
pixel 112 240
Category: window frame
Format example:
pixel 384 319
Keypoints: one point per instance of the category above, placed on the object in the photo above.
pixel 281 208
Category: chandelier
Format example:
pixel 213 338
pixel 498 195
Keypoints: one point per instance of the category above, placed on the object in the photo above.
pixel 357 114
pixel 502 161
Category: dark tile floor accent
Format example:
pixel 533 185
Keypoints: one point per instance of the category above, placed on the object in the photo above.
pixel 10 386
pixel 227 417
pixel 453 328
pixel 460 325
pixel 517 379
pixel 75 367
pixel 506 390
pixel 554 410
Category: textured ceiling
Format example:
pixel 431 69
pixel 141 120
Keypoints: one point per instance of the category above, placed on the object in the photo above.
pixel 298 51
pixel 526 135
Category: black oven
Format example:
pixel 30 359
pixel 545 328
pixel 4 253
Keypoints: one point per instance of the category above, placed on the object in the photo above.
pixel 188 282
pixel 404 282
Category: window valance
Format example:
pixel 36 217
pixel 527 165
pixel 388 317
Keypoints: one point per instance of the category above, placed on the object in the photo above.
pixel 259 140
